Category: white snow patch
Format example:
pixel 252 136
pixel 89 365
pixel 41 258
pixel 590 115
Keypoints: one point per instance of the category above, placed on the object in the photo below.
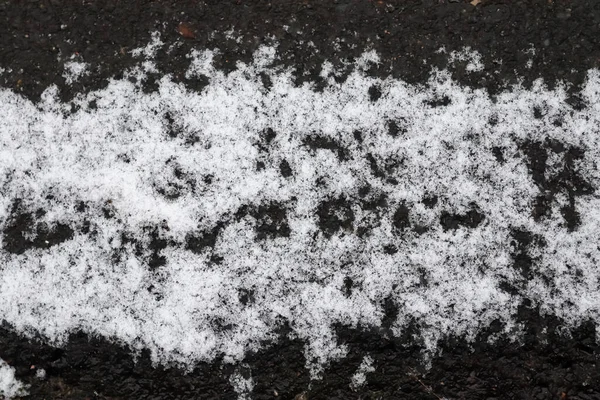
pixel 368 58
pixel 10 386
pixel 40 374
pixel 242 383
pixel 230 35
pixel 473 57
pixel 360 377
pixel 177 165
pixel 264 56
pixel 326 70
pixel 73 70
pixel 149 51
pixel 531 51
pixel 201 63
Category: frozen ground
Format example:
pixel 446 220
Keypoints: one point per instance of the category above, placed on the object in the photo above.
pixel 195 224
pixel 299 200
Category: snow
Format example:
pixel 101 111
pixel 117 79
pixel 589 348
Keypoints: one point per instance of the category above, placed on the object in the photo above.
pixel 150 50
pixel 360 377
pixel 242 383
pixel 40 373
pixel 472 57
pixel 74 70
pixel 10 386
pixel 182 163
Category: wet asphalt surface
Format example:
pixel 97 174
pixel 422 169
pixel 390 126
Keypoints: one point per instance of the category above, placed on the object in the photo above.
pixel 565 35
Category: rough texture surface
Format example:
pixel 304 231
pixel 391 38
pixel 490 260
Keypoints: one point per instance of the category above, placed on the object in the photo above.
pixel 545 365
pixel 559 38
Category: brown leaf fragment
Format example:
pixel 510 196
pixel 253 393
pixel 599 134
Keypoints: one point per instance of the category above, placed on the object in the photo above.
pixel 475 2
pixel 185 31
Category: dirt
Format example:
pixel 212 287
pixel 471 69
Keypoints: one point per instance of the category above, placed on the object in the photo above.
pixel 38 37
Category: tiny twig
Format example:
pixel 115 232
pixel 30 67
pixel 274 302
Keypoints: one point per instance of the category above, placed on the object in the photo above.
pixel 428 389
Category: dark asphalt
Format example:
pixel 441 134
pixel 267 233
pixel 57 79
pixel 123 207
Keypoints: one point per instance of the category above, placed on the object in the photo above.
pixel 38 37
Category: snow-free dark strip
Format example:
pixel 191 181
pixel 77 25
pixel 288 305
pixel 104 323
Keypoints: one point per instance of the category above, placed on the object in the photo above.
pixel 546 364
pixel 554 40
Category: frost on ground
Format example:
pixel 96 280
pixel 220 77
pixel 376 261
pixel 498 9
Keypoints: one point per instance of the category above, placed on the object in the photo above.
pixel 472 58
pixel 74 70
pixel 9 385
pixel 196 224
pixel 360 377
pixel 242 383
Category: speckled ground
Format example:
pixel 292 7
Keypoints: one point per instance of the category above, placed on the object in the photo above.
pixel 554 40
